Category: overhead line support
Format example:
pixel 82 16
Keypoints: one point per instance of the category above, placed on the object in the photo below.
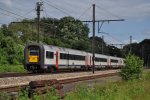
pixel 93 40
pixel 38 9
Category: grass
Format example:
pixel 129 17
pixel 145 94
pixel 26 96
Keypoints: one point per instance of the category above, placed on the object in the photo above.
pixel 131 90
pixel 23 95
pixel 122 90
pixel 11 68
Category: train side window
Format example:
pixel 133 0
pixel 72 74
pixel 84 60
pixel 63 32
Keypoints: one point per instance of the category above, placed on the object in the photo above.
pixel 82 57
pixel 49 54
pixel 63 56
pixel 114 61
pixel 103 60
pixel 75 57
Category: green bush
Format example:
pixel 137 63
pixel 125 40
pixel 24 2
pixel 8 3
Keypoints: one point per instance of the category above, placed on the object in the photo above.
pixel 4 96
pixel 11 68
pixel 121 90
pixel 133 68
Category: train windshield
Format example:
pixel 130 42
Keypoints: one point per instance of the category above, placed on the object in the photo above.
pixel 34 51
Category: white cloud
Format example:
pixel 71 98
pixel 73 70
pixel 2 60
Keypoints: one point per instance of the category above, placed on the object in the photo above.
pixel 133 41
pixel 6 2
pixel 127 9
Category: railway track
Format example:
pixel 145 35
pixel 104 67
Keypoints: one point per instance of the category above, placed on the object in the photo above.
pixel 61 81
pixel 5 75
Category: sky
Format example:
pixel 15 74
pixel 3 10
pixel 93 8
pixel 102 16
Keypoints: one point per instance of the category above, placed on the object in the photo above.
pixel 135 12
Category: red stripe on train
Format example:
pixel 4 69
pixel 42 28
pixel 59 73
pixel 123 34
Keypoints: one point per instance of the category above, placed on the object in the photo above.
pixel 56 59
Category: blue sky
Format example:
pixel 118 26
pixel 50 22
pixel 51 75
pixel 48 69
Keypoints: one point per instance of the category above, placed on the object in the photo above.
pixel 135 12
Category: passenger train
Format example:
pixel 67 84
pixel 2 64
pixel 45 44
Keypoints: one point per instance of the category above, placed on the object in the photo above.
pixel 40 57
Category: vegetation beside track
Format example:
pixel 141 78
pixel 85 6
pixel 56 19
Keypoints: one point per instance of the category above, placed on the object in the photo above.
pixel 124 90
pixel 11 68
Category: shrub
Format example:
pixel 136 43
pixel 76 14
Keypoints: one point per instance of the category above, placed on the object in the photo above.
pixel 4 96
pixel 11 68
pixel 133 68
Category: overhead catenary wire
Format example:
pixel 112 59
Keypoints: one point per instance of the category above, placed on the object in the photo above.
pixel 47 2
pixel 44 9
pixel 83 13
pixel 27 13
pixel 108 12
pixel 9 15
pixel 11 12
pixel 112 37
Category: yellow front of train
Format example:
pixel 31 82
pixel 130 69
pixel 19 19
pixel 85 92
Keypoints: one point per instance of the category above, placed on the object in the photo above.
pixel 33 55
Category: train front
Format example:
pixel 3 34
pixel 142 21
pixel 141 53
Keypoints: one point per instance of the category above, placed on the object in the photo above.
pixel 33 57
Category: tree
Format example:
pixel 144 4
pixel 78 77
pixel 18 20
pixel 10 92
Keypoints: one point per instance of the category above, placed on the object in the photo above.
pixel 141 50
pixel 133 68
pixel 73 32
pixel 114 51
pixel 11 52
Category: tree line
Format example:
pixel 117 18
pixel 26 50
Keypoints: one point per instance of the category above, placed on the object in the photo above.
pixel 64 32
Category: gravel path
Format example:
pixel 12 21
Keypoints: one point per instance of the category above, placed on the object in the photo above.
pixel 24 80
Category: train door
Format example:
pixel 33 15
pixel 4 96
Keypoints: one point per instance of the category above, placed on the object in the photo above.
pixel 108 62
pixel 86 60
pixel 68 59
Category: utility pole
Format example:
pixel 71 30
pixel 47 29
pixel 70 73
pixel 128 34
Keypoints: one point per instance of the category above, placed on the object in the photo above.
pixel 38 9
pixel 102 44
pixel 130 44
pixel 93 40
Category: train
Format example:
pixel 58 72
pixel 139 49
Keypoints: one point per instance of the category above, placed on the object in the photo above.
pixel 42 57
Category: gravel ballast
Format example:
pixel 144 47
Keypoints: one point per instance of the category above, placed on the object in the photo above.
pixel 24 80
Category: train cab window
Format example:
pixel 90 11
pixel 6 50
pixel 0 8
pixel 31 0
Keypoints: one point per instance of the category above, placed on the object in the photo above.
pixel 33 51
pixel 49 54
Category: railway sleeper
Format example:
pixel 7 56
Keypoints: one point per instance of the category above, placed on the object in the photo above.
pixel 45 86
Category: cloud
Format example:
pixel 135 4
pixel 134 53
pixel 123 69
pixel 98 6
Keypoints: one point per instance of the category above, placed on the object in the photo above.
pixel 133 41
pixel 127 9
pixel 6 2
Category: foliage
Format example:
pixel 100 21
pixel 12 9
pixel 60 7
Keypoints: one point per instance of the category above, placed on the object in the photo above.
pixel 131 90
pixel 50 95
pixel 23 94
pixel 4 96
pixel 11 68
pixel 141 50
pixel 122 90
pixel 133 68
pixel 10 51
